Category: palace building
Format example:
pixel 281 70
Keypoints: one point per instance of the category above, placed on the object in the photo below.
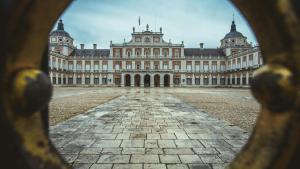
pixel 147 60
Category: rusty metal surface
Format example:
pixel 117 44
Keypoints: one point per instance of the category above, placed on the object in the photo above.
pixel 25 91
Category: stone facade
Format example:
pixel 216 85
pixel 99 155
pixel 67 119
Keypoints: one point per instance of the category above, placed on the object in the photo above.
pixel 148 61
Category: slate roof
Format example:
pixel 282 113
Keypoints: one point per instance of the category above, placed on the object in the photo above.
pixel 203 52
pixel 90 53
pixel 60 33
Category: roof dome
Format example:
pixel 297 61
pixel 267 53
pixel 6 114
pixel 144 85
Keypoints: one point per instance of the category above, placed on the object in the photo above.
pixel 233 33
pixel 60 30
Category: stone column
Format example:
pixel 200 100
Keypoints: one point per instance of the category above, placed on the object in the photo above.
pixel 74 78
pixel 100 79
pixel 51 77
pixel 132 80
pixel 92 65
pixel 160 52
pixel 142 80
pixel 75 65
pixel 209 79
pixel 142 65
pixel 170 65
pixel 122 80
pixel 193 80
pixel 92 78
pixel 83 79
pixel 218 79
pixel 151 80
pixel 133 53
pixel 160 64
pixel 201 79
pixel 161 80
pixel 56 76
pixel 171 80
pixel 241 79
pixel 142 54
pixel 247 78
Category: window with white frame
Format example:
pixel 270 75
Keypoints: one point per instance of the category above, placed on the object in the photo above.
pixel 189 67
pixel 205 67
pixel 250 60
pixel 214 67
pixel 70 66
pixel 222 67
pixel 128 66
pixel 197 68
pixel 177 67
pixel 177 53
pixel 104 67
pixel 244 61
pixel 96 66
pixel 166 66
pixel 238 63
pixel 88 67
pixel 78 66
pixel 117 67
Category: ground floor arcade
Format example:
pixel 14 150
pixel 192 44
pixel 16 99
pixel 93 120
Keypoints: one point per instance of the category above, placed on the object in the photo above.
pixel 152 79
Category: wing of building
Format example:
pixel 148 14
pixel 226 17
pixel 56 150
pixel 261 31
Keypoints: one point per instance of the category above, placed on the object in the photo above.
pixel 147 60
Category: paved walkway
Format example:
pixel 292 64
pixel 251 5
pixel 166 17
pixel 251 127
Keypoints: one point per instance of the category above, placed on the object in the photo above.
pixel 147 130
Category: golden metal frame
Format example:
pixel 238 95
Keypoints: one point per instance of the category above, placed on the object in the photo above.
pixel 25 90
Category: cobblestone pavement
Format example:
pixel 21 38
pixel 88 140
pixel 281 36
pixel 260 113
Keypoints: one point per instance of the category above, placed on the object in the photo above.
pixel 147 130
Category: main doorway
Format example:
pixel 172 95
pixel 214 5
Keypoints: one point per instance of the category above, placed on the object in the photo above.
pixel 137 80
pixel 167 81
pixel 147 80
pixel 127 80
pixel 156 81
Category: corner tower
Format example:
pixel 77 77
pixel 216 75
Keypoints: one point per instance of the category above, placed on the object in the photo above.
pixel 60 41
pixel 234 41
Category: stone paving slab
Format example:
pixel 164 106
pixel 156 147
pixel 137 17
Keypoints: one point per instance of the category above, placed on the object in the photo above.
pixel 147 130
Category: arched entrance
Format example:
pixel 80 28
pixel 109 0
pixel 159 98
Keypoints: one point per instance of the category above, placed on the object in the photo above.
pixel 147 80
pixel 156 81
pixel 137 80
pixel 167 81
pixel 127 80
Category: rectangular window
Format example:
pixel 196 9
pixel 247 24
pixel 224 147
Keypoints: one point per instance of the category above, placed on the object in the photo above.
pixel 176 67
pixel 197 81
pixel 166 66
pixel 96 67
pixel 189 81
pixel 104 67
pixel 96 81
pixel 78 80
pixel 189 68
pixel 205 68
pixel 214 67
pixel 128 66
pixel 197 68
pixel 222 68
pixel 222 81
pixel 156 67
pixel 87 67
pixel 104 81
pixel 117 67
pixel 70 80
pixel 206 81
pixel 87 80
pixel 71 66
pixel 214 81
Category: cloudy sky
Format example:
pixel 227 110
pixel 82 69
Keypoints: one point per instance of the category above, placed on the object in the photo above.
pixel 191 21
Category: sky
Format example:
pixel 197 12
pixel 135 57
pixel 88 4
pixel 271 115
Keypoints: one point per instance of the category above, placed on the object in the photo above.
pixel 191 21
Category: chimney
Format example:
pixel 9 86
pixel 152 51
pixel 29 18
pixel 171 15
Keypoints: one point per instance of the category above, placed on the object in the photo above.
pixel 201 45
pixel 94 46
pixel 81 46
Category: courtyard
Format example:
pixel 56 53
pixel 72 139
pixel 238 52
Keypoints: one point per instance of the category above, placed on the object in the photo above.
pixel 175 128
